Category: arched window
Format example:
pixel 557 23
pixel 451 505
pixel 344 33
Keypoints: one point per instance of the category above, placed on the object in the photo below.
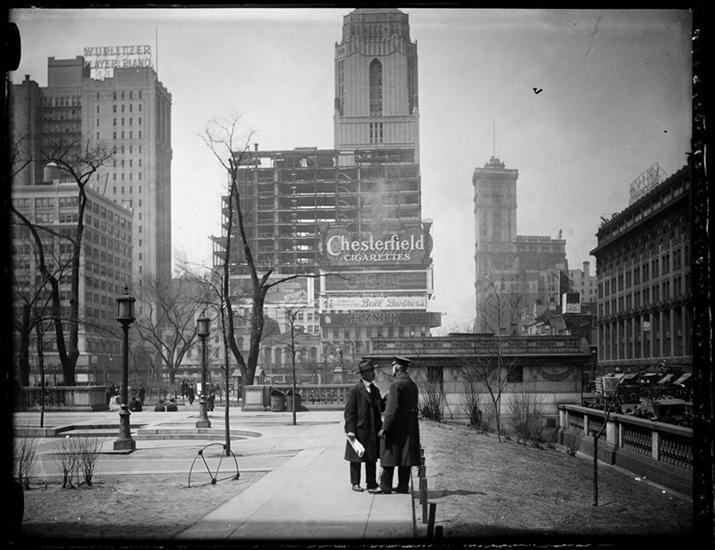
pixel 375 88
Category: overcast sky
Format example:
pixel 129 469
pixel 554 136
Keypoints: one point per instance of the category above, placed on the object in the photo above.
pixel 615 99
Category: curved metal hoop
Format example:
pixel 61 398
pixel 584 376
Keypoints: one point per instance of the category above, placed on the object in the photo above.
pixel 213 475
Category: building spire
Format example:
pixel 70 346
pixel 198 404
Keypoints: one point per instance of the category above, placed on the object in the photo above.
pixel 494 138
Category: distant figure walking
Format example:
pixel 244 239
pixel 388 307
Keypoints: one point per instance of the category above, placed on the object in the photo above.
pixel 142 393
pixel 190 393
pixel 211 398
pixel 400 434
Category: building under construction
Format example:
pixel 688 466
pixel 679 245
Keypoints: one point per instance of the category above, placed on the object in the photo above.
pixel 351 216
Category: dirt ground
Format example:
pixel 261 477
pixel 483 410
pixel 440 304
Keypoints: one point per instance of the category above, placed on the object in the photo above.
pixel 486 488
pixel 482 488
pixel 155 507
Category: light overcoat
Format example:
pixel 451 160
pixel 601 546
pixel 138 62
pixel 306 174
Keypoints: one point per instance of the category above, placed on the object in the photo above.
pixel 400 444
pixel 362 417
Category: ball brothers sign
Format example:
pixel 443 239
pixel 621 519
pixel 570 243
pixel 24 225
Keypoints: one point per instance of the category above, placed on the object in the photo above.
pixel 408 247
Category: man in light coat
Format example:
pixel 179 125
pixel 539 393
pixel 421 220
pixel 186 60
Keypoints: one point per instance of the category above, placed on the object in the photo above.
pixel 363 408
pixel 400 434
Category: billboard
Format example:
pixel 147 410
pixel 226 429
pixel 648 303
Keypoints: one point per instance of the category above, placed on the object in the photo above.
pixel 348 303
pixel 407 247
pixel 359 281
pixel 102 60
pixel 381 318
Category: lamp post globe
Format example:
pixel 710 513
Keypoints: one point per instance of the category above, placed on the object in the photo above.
pixel 125 316
pixel 202 330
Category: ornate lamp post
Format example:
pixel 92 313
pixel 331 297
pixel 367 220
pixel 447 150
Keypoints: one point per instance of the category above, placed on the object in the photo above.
pixel 125 315
pixel 202 329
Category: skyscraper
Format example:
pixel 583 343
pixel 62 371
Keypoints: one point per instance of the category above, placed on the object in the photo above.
pixel 109 98
pixel 376 83
pixel 351 214
pixel 515 275
pixel 126 109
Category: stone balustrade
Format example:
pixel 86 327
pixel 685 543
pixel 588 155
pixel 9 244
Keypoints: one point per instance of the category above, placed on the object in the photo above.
pixel 312 396
pixel 652 450
pixel 63 398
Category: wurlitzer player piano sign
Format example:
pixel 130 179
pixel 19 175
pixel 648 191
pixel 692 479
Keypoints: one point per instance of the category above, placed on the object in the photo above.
pixel 102 60
pixel 410 247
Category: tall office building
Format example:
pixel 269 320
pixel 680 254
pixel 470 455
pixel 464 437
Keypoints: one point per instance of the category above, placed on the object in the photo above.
pixel 376 83
pixel 644 287
pixel 517 277
pixel 105 263
pixel 351 214
pixel 124 109
pixel 128 111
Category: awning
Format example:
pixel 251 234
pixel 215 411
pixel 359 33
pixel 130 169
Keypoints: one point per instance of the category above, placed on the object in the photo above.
pixel 683 378
pixel 665 379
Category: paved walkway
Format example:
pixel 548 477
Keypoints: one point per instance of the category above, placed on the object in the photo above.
pixel 305 495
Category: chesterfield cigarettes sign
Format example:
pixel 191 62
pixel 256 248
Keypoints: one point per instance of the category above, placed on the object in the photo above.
pixel 405 247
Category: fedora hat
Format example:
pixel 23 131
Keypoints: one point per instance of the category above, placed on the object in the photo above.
pixel 401 360
pixel 365 365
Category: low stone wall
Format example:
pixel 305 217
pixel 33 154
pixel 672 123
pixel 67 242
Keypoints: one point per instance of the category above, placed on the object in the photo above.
pixel 662 453
pixel 63 398
pixel 312 396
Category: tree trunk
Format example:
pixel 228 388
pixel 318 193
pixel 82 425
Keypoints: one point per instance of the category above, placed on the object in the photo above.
pixel 24 352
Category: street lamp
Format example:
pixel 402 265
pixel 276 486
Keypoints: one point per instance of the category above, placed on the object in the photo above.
pixel 125 315
pixel 202 329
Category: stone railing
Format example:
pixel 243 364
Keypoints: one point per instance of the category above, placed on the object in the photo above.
pixel 657 451
pixel 312 396
pixel 63 398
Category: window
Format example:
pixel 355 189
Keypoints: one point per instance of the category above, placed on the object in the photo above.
pixel 515 374
pixel 375 88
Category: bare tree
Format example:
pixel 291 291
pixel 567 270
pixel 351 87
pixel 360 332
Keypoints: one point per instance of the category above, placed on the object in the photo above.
pixel 488 365
pixel 216 300
pixel 169 325
pixel 221 136
pixel 78 161
pixel 291 313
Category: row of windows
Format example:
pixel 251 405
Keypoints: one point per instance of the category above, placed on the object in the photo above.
pixel 646 296
pixel 121 94
pixel 655 268
pixel 122 135
pixel 131 108
pixel 61 101
pixel 131 121
pixel 660 334
pixel 131 162
pixel 130 177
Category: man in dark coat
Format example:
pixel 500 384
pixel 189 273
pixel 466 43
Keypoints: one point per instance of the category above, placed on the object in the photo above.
pixel 400 434
pixel 363 407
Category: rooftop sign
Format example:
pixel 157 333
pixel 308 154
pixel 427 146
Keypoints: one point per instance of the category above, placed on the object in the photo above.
pixel 102 60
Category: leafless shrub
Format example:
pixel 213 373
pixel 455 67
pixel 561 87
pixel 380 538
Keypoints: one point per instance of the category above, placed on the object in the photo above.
pixel 67 461
pixel 87 451
pixel 432 396
pixel 25 455
pixel 572 438
pixel 527 416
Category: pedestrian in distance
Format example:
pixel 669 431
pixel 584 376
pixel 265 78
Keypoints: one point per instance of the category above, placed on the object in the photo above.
pixel 400 433
pixel 142 393
pixel 363 409
pixel 190 393
pixel 211 398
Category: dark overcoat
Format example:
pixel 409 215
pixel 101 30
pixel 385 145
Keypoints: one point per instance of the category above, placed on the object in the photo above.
pixel 400 444
pixel 363 418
